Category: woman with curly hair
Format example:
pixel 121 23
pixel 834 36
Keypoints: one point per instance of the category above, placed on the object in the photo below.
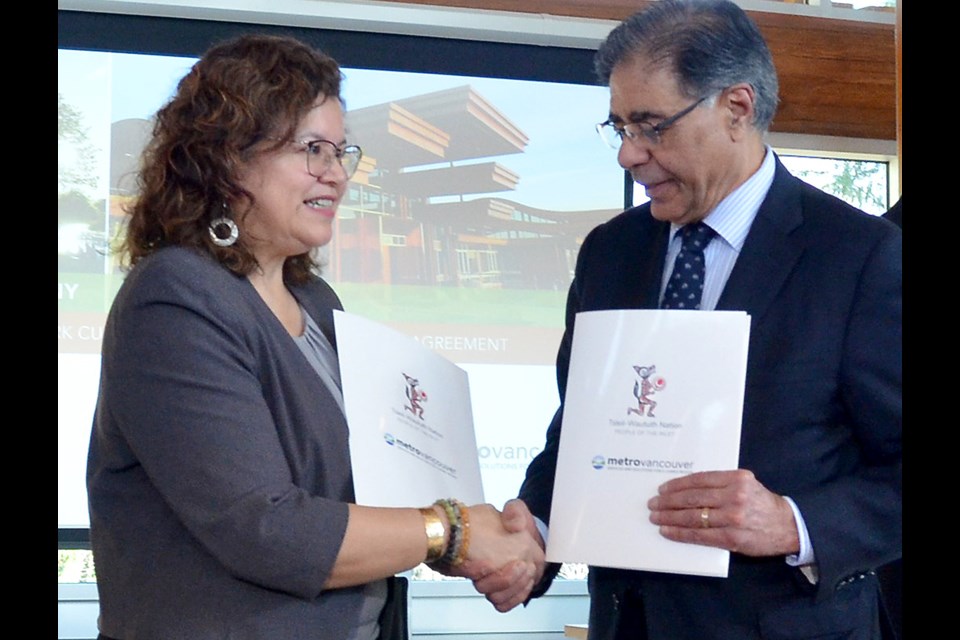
pixel 220 491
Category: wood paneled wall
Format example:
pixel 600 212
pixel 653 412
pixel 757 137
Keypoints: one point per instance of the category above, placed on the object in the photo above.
pixel 900 89
pixel 837 77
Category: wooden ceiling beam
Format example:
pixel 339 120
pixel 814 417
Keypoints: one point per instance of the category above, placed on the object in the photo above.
pixel 837 77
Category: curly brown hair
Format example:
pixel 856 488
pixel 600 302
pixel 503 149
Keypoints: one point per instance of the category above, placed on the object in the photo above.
pixel 240 93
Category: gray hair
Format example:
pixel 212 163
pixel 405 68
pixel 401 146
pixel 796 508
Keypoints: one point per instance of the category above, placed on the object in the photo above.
pixel 709 45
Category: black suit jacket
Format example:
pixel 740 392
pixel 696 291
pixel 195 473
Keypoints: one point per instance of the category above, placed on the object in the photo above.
pixel 821 424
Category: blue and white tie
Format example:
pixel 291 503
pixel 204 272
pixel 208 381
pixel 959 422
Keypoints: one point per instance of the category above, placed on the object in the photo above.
pixel 685 287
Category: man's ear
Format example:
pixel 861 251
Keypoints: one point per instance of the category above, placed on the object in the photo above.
pixel 739 100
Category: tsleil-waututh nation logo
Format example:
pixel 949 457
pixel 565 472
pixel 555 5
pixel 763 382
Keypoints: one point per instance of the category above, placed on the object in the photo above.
pixel 415 396
pixel 646 386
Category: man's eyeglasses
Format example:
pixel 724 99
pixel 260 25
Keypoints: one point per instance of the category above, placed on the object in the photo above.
pixel 613 133
pixel 321 155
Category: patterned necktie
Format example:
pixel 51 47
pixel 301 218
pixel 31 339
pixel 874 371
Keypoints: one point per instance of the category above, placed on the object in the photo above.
pixel 685 286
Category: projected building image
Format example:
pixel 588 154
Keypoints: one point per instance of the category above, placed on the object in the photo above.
pixel 421 209
pixel 428 206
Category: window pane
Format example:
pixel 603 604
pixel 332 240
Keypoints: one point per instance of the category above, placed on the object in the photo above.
pixel 75 565
pixel 862 183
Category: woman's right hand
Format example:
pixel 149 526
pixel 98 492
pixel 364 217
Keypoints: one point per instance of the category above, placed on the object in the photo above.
pixel 505 558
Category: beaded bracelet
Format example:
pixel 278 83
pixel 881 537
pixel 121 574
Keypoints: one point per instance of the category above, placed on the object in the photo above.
pixel 452 518
pixel 456 531
pixel 459 543
pixel 464 547
pixel 453 550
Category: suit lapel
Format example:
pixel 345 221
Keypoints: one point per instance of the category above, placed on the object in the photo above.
pixel 633 274
pixel 769 253
pixel 650 268
pixel 321 311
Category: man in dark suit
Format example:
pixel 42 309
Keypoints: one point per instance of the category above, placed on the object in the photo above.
pixel 891 575
pixel 895 213
pixel 816 504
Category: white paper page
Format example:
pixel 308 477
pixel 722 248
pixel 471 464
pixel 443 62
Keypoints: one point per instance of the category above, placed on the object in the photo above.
pixel 411 425
pixel 651 395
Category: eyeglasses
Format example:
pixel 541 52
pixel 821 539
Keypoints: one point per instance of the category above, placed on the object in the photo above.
pixel 613 133
pixel 322 153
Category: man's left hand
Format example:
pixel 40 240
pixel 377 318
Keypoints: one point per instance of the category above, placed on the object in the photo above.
pixel 726 509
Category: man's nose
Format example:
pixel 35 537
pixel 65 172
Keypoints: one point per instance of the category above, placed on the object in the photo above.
pixel 634 152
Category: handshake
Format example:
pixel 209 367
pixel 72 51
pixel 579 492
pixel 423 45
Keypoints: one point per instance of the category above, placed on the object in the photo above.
pixel 501 552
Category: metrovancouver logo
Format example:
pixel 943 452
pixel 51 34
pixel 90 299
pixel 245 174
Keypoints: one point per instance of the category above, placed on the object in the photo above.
pixel 601 462
pixel 416 452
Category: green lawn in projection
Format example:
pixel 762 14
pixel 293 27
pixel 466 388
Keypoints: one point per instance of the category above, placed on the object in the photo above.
pixel 93 293
pixel 453 305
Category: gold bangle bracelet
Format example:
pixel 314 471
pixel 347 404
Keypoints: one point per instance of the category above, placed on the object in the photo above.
pixel 436 534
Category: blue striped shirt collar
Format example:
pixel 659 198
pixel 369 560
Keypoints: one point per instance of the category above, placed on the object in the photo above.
pixel 732 218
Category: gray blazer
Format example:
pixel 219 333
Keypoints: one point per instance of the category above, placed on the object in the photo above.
pixel 219 469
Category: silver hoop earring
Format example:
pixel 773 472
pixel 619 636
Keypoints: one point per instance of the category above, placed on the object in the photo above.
pixel 223 231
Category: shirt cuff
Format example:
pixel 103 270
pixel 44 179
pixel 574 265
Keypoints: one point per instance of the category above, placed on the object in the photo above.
pixel 805 559
pixel 542 528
